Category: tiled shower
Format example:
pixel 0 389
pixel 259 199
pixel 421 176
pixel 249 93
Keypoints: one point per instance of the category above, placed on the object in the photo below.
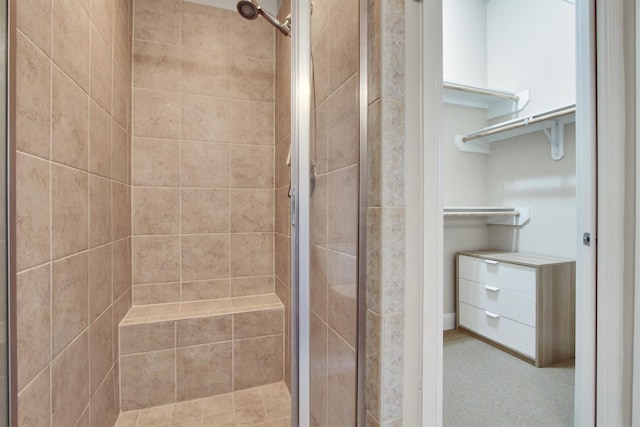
pixel 153 212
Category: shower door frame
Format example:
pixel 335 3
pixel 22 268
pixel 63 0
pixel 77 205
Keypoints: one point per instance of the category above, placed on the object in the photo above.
pixel 429 333
pixel 300 211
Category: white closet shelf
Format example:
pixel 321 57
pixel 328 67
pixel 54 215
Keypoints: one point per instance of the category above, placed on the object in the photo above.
pixel 496 102
pixel 551 122
pixel 496 215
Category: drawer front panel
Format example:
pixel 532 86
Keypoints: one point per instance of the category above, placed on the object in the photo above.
pixel 515 306
pixel 512 334
pixel 514 277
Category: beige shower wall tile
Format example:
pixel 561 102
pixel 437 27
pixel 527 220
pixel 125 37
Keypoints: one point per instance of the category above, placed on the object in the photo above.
pixel 318 281
pixel 100 280
pixel 69 210
pixel 205 72
pixel 205 164
pixel 386 153
pixel 34 19
pixel 156 294
pixel 99 141
pixel 102 18
pixel 33 106
pixel 320 51
pixel 342 376
pixel 282 172
pixel 385 260
pixel 374 50
pixel 392 37
pixel 319 18
pixel 205 256
pixel 145 337
pixel 103 406
pixel 32 211
pixel 251 166
pixel 247 286
pixel 373 360
pixel 71 35
pixel 283 114
pixel 205 211
pixel 206 27
pixel 155 211
pixel 34 401
pixel 343 293
pixel 254 38
pixel 122 97
pixel 121 267
pixel 205 118
pixel 320 138
pixel 282 258
pixel 318 371
pixel 283 211
pixel 251 210
pixel 155 259
pixel 122 43
pixel 204 371
pixel 33 323
pixel 99 210
pixel 251 122
pixel 69 122
pixel 69 299
pixel 343 28
pixel 392 366
pixel 319 211
pixel 101 71
pixel 156 66
pixel 258 323
pixel 343 205
pixel 204 330
pixel 157 20
pixel 251 254
pixel 252 79
pixel 156 114
pixel 121 215
pixel 343 125
pixel 205 290
pixel 257 361
pixel 100 349
pixel 119 153
pixel 70 382
pixel 147 379
pixel 155 162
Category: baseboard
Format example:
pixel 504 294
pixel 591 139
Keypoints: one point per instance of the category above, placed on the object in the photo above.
pixel 448 321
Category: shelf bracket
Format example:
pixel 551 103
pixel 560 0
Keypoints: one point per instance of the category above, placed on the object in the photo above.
pixel 556 136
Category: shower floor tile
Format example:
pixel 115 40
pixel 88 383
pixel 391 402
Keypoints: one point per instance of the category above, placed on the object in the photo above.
pixel 267 406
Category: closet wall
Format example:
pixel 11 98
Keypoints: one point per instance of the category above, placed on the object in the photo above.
pixel 528 45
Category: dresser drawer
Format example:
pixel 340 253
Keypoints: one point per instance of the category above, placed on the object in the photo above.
pixel 512 334
pixel 513 305
pixel 513 277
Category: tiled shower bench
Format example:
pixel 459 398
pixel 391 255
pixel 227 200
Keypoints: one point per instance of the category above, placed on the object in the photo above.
pixel 189 350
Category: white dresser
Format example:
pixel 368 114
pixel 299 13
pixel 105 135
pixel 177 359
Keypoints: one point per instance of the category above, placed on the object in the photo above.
pixel 522 303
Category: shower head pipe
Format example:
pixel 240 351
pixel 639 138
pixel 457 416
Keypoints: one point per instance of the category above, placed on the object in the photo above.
pixel 250 9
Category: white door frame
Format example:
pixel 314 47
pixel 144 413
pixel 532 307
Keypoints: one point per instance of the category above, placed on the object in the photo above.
pixel 430 389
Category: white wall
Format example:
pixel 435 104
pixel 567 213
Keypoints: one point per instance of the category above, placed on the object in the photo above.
pixel 522 173
pixel 531 45
pixel 464 176
pixel 464 36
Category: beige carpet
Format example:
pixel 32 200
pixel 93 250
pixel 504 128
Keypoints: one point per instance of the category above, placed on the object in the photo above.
pixel 485 386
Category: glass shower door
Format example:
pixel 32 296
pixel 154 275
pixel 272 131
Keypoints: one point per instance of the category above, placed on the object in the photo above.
pixel 327 210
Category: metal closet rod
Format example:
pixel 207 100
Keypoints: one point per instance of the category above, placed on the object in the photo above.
pixel 481 91
pixel 520 123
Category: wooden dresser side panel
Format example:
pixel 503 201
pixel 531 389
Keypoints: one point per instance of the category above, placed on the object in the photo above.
pixel 555 313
